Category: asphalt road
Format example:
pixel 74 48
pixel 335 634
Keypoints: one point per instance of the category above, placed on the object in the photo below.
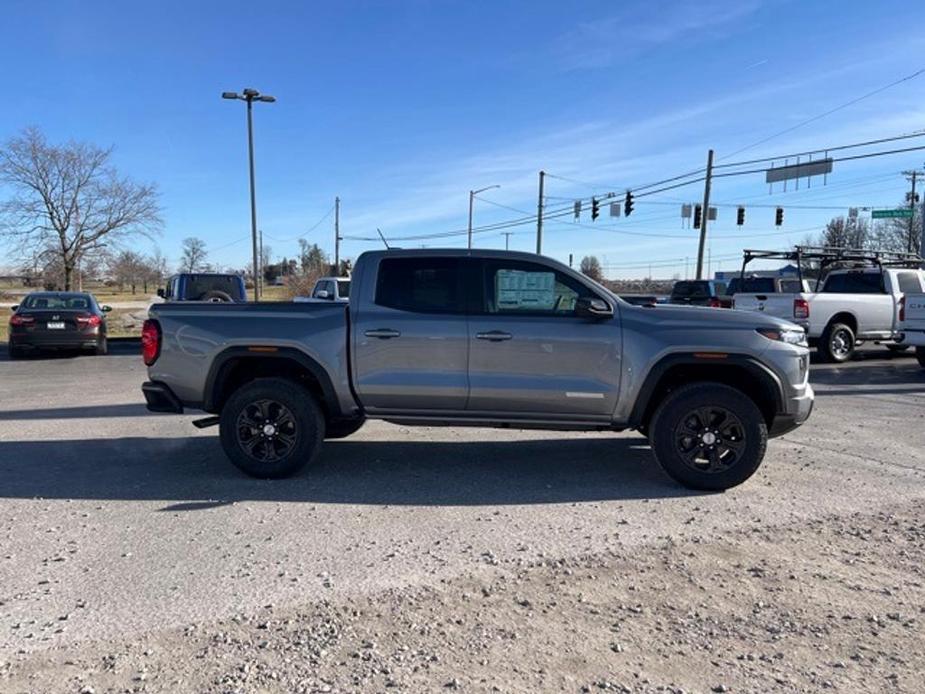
pixel 114 521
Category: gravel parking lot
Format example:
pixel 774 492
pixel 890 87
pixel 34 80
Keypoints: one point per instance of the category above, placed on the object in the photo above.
pixel 135 558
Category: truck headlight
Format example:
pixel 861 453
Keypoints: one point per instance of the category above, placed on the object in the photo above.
pixel 788 335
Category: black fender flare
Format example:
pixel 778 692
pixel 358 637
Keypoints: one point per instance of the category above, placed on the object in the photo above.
pixel 223 360
pixel 755 367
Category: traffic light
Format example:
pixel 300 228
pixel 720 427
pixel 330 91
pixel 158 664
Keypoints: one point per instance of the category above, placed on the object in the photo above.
pixel 740 216
pixel 698 214
pixel 779 216
pixel 595 209
pixel 628 204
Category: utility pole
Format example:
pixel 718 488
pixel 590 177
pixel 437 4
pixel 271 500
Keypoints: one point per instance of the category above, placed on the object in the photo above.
pixel 507 239
pixel 336 236
pixel 539 217
pixel 705 215
pixel 261 263
pixel 911 175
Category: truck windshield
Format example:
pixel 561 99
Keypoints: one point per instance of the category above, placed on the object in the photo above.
pixel 684 290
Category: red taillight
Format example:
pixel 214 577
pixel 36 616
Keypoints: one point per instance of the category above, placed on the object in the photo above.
pixel 88 321
pixel 902 308
pixel 21 320
pixel 714 303
pixel 150 341
pixel 800 308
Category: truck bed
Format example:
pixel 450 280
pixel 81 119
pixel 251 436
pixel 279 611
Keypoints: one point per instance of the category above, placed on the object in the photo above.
pixel 196 335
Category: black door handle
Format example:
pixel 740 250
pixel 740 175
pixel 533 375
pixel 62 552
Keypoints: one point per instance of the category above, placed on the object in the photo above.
pixel 494 336
pixel 383 333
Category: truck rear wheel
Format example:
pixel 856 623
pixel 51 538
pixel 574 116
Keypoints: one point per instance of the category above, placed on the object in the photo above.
pixel 708 436
pixel 271 428
pixel 920 355
pixel 837 343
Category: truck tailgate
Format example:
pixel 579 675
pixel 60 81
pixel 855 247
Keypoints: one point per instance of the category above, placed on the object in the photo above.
pixel 915 313
pixel 777 305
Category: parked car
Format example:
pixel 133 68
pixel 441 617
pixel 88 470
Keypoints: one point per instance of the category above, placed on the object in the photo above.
pixel 204 286
pixel 912 323
pixel 710 293
pixel 57 320
pixel 853 304
pixel 329 289
pixel 481 338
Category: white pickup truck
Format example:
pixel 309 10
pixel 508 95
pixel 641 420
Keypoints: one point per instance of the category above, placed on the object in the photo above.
pixel 853 304
pixel 912 323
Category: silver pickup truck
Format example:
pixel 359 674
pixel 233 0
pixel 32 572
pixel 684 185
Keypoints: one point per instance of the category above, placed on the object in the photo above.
pixel 481 338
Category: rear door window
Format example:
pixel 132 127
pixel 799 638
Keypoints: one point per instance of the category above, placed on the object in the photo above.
pixel 421 285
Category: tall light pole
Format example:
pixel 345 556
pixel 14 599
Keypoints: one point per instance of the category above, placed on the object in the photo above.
pixel 250 96
pixel 472 194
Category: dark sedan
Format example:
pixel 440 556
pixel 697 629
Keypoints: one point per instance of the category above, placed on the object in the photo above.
pixel 58 320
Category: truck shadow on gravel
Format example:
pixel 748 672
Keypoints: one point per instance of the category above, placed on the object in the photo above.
pixel 194 472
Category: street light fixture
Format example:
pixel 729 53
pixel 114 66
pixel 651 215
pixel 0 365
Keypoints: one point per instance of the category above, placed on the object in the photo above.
pixel 250 96
pixel 472 194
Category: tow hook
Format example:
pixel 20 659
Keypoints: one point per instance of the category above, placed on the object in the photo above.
pixel 206 422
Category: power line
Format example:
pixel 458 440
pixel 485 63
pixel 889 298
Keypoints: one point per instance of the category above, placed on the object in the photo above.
pixel 868 143
pixel 311 229
pixel 827 113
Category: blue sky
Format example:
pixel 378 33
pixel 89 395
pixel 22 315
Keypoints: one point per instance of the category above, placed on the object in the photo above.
pixel 400 108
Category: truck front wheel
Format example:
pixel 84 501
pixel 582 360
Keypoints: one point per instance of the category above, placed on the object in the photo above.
pixel 271 428
pixel 708 436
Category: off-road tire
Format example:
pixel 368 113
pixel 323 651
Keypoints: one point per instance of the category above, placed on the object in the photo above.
pixel 830 344
pixel 217 296
pixel 298 418
pixel 343 429
pixel 743 427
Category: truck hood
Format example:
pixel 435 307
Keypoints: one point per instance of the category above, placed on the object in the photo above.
pixel 683 316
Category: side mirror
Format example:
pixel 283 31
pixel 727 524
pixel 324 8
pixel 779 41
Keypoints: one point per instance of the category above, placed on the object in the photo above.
pixel 161 293
pixel 322 294
pixel 105 309
pixel 593 308
pixel 13 308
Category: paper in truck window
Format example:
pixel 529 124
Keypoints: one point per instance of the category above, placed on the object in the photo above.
pixel 525 291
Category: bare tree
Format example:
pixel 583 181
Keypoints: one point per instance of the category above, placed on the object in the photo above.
pixel 591 267
pixel 68 201
pixel 194 255
pixel 128 267
pixel 842 232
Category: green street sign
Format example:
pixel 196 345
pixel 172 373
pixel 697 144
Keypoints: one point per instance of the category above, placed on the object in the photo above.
pixel 891 214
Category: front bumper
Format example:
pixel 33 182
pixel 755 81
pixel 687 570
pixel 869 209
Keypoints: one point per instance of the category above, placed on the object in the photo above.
pixel 797 408
pixel 160 398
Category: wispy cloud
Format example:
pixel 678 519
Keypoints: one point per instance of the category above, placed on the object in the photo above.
pixel 601 42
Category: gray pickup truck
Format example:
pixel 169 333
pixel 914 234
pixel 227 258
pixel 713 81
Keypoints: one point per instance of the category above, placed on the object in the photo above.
pixel 481 338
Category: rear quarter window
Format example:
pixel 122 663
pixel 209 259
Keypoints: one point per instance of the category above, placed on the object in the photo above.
pixel 909 282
